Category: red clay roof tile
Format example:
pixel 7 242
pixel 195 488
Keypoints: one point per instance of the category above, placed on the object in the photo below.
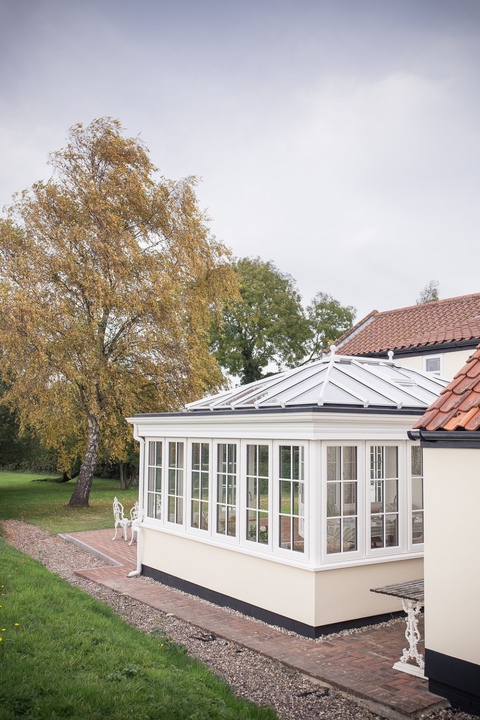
pixel 471 400
pixel 473 370
pixel 474 422
pixel 463 385
pixel 448 425
pixel 458 406
pixel 426 419
pixel 442 420
pixel 457 382
pixel 441 398
pixel 450 320
pixel 450 403
pixel 466 416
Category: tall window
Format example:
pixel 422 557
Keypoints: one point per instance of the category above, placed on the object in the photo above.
pixel 200 480
pixel 175 482
pixel 383 496
pixel 417 494
pixel 257 493
pixel 154 479
pixel 342 507
pixel 227 489
pixel 291 510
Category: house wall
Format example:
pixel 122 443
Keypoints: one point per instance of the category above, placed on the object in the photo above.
pixel 311 598
pixel 452 559
pixel 452 362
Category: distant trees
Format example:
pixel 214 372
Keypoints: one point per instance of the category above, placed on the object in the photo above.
pixel 268 327
pixel 108 282
pixel 20 451
pixel 327 320
pixel 429 292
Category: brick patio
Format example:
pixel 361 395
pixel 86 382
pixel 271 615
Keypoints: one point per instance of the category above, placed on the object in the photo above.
pixel 358 664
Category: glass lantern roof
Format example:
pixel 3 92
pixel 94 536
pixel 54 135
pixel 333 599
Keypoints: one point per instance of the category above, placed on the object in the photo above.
pixel 336 380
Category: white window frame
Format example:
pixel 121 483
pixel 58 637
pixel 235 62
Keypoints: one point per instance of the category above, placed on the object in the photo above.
pixel 147 466
pixel 218 536
pixel 401 468
pixel 365 553
pixel 189 486
pixel 359 553
pixel 440 358
pixel 166 469
pixel 415 547
pixel 244 540
pixel 295 555
pixel 315 498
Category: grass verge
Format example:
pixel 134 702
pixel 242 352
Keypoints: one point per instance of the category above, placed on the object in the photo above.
pixel 65 655
pixel 23 497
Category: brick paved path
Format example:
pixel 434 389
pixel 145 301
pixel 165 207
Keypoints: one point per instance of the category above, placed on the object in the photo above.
pixel 359 664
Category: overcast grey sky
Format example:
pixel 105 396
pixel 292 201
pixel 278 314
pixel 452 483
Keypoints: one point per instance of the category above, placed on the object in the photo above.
pixel 338 138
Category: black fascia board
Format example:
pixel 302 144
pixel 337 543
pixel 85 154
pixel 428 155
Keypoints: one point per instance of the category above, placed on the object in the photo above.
pixel 433 349
pixel 370 410
pixel 446 438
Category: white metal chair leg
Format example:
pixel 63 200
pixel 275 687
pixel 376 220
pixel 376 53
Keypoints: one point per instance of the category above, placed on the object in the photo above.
pixel 120 519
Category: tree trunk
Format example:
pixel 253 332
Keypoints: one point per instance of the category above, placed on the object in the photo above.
pixel 122 475
pixel 251 370
pixel 84 483
pixel 67 476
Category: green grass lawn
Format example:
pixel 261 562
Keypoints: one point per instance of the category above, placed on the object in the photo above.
pixel 64 654
pixel 46 503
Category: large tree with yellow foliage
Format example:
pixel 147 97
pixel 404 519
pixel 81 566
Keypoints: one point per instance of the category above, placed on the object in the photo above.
pixel 108 282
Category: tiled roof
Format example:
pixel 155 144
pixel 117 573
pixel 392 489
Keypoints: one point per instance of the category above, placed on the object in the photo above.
pixel 458 406
pixel 443 321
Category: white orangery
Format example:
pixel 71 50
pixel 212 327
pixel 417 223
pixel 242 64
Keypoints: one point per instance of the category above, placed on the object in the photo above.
pixel 290 498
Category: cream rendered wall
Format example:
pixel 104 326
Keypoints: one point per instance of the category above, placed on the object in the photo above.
pixel 273 586
pixel 452 362
pixel 452 552
pixel 345 593
pixel 312 597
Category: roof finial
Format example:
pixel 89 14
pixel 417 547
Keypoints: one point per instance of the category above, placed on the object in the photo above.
pixel 390 355
pixel 333 349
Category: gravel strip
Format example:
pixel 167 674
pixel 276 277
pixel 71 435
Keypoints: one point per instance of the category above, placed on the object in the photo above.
pixel 249 674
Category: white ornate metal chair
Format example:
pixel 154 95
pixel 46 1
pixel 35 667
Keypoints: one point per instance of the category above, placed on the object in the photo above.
pixel 120 519
pixel 135 520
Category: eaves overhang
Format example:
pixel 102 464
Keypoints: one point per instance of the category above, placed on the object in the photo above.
pixel 446 438
pixel 430 349
pixel 370 410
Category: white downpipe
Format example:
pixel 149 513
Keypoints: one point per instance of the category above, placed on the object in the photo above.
pixel 138 570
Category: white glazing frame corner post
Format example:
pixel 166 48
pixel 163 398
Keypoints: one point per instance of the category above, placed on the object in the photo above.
pixel 412 609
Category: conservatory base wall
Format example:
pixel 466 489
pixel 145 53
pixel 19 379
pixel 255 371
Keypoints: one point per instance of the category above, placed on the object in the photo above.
pixel 300 599
pixel 344 594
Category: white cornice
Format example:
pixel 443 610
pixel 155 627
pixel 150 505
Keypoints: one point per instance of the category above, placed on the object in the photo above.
pixel 301 425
